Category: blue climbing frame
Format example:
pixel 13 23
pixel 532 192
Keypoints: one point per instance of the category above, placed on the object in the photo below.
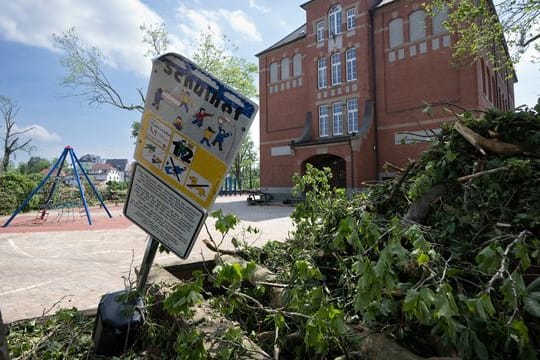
pixel 68 150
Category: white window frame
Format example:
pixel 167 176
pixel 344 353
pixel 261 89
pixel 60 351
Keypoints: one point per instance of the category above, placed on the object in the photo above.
pixel 352 115
pixel 350 64
pixel 334 20
pixel 337 118
pixel 321 73
pixel 320 31
pixel 336 69
pixel 351 19
pixel 323 121
pixel 273 72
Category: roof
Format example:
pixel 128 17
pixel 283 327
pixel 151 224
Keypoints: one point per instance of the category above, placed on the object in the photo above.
pixel 102 167
pixel 119 164
pixel 295 35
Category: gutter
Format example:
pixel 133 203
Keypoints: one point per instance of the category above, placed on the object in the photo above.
pixel 373 84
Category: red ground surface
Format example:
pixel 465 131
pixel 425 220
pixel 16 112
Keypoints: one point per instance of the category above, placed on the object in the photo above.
pixel 66 220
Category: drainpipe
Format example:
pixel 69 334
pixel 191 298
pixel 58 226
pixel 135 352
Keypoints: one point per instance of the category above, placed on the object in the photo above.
pixel 373 84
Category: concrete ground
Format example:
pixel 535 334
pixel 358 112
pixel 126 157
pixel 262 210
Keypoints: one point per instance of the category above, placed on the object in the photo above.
pixel 64 262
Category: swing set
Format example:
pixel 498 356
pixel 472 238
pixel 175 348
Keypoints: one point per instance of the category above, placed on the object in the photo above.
pixel 64 203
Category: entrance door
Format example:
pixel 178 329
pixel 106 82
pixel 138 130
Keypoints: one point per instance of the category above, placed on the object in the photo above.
pixel 336 165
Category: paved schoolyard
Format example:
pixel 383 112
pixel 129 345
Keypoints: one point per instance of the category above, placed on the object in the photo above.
pixel 65 262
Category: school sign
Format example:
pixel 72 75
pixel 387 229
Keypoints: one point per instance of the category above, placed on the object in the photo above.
pixel 191 130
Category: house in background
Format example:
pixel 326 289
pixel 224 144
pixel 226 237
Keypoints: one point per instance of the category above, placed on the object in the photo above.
pixel 102 173
pixel 122 166
pixel 105 170
pixel 346 90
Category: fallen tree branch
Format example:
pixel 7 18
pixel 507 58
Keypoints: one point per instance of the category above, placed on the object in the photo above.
pixel 397 186
pixel 214 248
pixel 502 268
pixel 419 209
pixel 481 173
pixel 481 143
pixel 395 167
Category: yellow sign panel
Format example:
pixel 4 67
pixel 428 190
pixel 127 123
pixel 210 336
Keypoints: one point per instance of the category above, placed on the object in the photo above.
pixel 191 129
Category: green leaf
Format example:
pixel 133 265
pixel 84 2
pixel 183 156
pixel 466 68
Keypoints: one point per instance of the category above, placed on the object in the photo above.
pixel 422 258
pixel 535 285
pixel 532 306
pixel 488 260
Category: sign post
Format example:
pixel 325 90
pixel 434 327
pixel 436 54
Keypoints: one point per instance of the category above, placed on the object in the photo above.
pixel 191 129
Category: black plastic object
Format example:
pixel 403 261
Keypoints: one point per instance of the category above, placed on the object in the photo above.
pixel 118 321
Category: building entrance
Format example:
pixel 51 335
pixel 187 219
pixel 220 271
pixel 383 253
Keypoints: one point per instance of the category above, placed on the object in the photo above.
pixel 336 165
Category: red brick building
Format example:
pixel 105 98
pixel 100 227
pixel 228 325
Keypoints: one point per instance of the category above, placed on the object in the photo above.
pixel 346 90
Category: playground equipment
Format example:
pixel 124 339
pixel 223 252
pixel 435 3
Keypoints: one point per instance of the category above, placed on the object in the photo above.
pixel 65 207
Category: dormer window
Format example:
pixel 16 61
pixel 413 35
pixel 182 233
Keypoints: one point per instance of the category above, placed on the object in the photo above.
pixel 334 20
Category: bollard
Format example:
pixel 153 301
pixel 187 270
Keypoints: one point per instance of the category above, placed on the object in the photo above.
pixel 118 320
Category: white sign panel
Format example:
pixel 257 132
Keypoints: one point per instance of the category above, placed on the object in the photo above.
pixel 162 212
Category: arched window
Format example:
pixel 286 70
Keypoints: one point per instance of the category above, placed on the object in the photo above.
pixel 285 69
pixel 417 25
pixel 273 72
pixel 439 17
pixel 396 32
pixel 334 20
pixel 297 65
pixel 350 60
pixel 322 83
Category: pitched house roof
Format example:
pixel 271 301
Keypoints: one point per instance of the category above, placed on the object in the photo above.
pixel 118 164
pixel 101 168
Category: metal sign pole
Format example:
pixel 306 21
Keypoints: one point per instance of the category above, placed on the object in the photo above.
pixel 149 255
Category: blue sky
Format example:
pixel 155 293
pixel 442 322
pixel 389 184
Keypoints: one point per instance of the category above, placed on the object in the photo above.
pixel 30 71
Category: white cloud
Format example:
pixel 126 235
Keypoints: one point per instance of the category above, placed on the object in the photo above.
pixel 112 26
pixel 239 22
pixel 193 21
pixel 37 132
pixel 256 6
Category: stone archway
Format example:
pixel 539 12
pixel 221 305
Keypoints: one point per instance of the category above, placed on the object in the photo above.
pixel 336 164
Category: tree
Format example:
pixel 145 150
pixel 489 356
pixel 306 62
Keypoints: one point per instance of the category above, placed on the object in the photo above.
pixel 85 75
pixel 484 30
pixel 242 166
pixel 12 141
pixel 34 165
pixel 218 58
pixel 156 37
